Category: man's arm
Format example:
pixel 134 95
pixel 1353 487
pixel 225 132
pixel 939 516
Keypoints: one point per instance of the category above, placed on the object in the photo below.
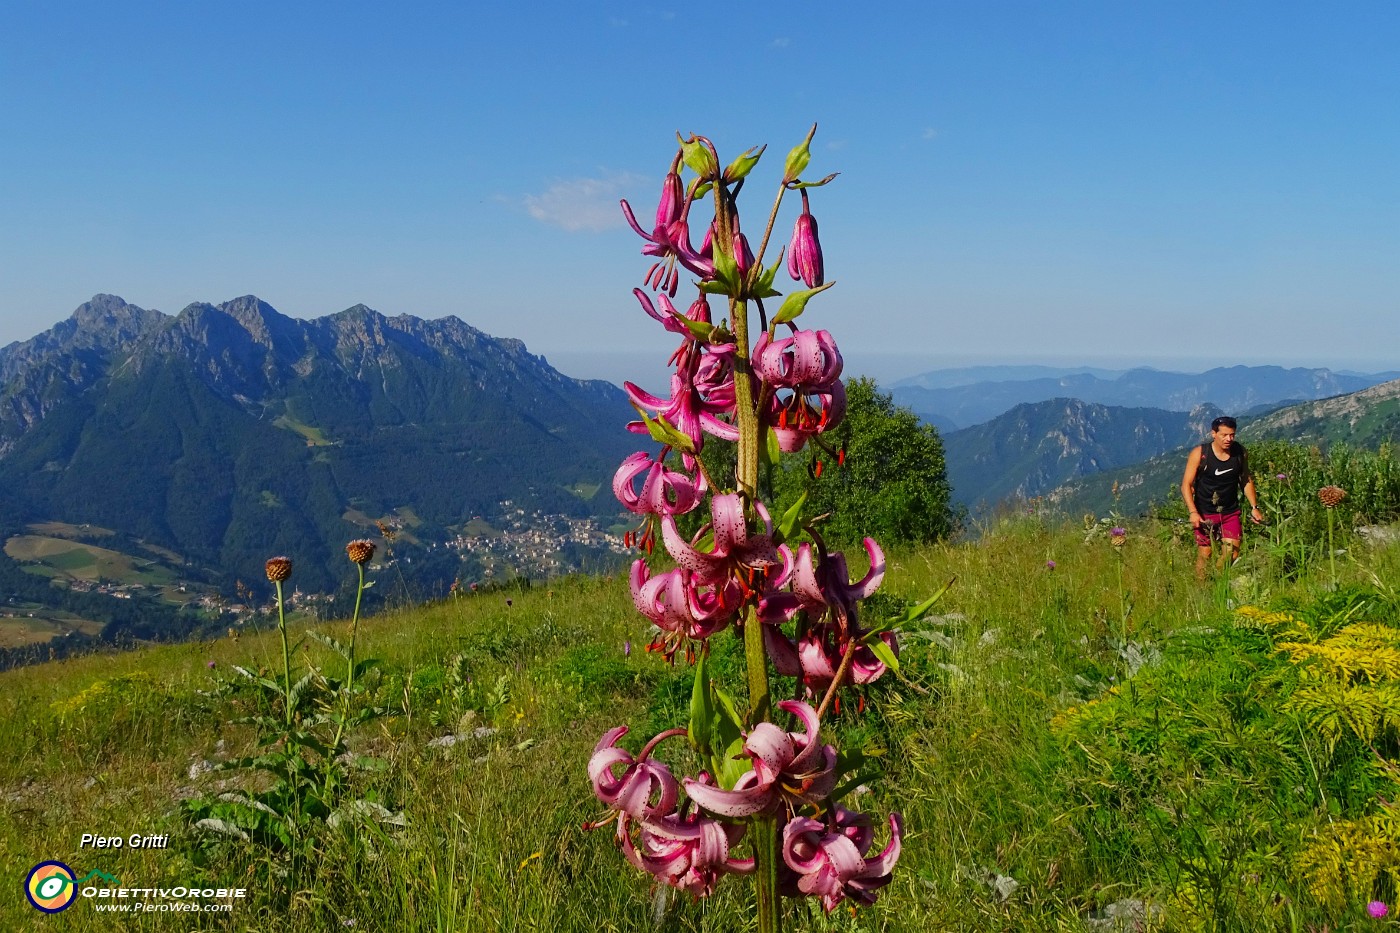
pixel 1188 484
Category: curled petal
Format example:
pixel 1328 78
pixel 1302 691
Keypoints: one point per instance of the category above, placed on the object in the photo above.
pixel 748 797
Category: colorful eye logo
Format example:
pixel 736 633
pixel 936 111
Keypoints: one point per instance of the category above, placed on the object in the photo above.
pixel 50 887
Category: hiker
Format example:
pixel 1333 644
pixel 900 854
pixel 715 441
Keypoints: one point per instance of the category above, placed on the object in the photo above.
pixel 1215 473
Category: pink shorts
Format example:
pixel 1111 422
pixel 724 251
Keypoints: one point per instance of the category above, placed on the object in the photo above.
pixel 1226 527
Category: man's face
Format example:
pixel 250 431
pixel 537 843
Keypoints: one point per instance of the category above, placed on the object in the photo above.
pixel 1224 437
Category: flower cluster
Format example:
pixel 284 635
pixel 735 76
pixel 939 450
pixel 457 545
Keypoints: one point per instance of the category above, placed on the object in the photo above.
pixel 777 584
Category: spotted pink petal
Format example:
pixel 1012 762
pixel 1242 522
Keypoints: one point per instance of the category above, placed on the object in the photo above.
pixel 748 797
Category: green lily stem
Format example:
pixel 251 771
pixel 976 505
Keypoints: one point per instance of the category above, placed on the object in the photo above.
pixel 764 828
pixel 286 656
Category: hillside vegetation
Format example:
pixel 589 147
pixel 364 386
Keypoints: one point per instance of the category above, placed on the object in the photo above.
pixel 1081 733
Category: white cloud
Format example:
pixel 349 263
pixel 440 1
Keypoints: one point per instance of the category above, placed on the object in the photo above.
pixel 781 42
pixel 587 204
pixel 930 133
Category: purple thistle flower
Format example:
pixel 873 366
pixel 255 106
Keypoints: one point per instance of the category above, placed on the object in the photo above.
pixel 211 665
pixel 1281 477
pixel 1117 532
pixel 1377 909
pixel 1049 565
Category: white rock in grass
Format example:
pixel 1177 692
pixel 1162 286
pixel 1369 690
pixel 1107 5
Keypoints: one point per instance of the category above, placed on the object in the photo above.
pixel 223 827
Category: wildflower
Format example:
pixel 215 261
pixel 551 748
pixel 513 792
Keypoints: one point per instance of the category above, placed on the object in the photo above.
pixel 509 603
pixel 627 648
pixel 361 551
pixel 832 865
pixel 788 768
pixel 211 665
pixel 644 789
pixel 734 548
pixel 1281 477
pixel 689 851
pixel 1377 909
pixel 279 569
pixel 1117 536
pixel 1331 496
pixel 664 492
pixel 828 585
pixel 687 410
pixel 1049 565
pixel 669 239
pixel 804 260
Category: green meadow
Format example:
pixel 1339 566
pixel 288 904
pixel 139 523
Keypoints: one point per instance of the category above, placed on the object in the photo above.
pixel 1080 737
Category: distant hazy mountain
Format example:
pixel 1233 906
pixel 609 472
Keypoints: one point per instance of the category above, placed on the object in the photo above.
pixel 953 401
pixel 1038 446
pixel 229 433
pixel 1367 418
pixel 971 375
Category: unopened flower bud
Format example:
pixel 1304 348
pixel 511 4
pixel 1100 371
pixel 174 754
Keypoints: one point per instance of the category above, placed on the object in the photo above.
pixel 279 568
pixel 804 259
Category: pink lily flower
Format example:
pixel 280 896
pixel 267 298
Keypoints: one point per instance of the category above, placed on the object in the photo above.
pixel 798 415
pixel 829 586
pixel 670 237
pixel 817 657
pixel 832 865
pixel 789 768
pixel 645 789
pixel 687 410
pixel 664 492
pixel 808 360
pixel 679 605
pixel 734 551
pixel 690 852
pixel 804 259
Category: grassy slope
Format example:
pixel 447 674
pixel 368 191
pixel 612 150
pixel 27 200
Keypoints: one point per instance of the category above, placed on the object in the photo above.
pixel 104 745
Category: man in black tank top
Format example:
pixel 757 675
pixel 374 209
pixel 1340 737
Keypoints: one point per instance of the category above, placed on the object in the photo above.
pixel 1216 471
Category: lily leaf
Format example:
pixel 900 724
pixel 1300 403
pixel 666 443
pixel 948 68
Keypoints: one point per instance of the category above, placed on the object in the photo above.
pixel 877 647
pixel 744 164
pixel 912 614
pixel 763 284
pixel 699 329
pixel 662 432
pixel 796 303
pixel 789 522
pixel 726 270
pixel 702 710
pixel 728 733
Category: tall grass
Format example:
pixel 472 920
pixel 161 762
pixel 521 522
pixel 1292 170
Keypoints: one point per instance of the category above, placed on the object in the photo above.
pixel 1106 731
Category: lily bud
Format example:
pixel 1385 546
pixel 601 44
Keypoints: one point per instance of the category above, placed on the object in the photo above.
pixel 804 256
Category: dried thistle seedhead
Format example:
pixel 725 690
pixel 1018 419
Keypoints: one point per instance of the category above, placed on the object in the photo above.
pixel 360 551
pixel 279 568
pixel 1331 496
pixel 388 532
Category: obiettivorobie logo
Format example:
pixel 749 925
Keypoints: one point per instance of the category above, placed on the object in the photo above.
pixel 52 886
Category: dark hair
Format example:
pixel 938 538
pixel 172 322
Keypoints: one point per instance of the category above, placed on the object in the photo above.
pixel 1223 421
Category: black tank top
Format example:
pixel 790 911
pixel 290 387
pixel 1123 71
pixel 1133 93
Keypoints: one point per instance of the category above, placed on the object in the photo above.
pixel 1218 481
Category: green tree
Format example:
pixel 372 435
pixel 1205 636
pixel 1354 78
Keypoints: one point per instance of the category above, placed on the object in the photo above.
pixel 893 485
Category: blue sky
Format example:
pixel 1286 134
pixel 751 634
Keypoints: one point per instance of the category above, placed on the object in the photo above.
pixel 1181 185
